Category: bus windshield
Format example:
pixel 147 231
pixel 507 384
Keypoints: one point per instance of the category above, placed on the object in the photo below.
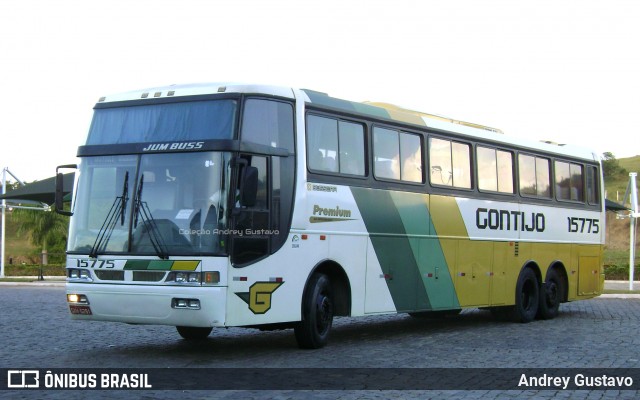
pixel 160 204
pixel 192 120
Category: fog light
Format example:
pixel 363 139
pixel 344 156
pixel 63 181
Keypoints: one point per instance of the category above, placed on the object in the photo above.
pixel 77 298
pixel 192 304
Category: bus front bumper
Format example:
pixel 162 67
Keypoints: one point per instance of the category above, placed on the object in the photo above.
pixel 200 306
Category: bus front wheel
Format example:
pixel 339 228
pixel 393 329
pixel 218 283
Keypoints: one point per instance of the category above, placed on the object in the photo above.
pixel 317 314
pixel 193 333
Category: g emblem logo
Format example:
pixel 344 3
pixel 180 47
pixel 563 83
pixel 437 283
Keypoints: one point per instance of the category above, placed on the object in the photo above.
pixel 259 296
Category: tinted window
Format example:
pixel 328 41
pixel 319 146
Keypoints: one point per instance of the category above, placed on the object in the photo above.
pixel 534 176
pixel 411 156
pixel 505 171
pixel 569 181
pixel 386 153
pixel 351 142
pixel 593 187
pixel 335 146
pixel 449 163
pixel 322 143
pixel 495 170
pixel 269 123
pixel 397 155
pixel 192 120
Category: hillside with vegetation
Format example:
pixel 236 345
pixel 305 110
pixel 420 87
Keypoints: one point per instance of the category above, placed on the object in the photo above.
pixel 618 177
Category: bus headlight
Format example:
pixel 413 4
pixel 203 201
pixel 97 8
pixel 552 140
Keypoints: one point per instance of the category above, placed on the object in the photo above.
pixel 184 277
pixel 194 278
pixel 79 274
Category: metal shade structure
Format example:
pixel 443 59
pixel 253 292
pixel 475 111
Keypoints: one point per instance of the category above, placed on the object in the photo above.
pixel 38 195
pixel 613 206
pixel 43 191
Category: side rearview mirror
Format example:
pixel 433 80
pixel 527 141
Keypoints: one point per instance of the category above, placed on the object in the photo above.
pixel 60 193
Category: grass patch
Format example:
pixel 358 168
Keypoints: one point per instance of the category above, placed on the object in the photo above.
pixel 619 184
pixel 616 265
pixel 34 270
pixel 17 280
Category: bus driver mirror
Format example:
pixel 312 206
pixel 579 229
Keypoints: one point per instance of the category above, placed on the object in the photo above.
pixel 249 186
pixel 59 194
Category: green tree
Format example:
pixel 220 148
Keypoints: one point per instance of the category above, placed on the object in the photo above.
pixel 45 228
pixel 611 167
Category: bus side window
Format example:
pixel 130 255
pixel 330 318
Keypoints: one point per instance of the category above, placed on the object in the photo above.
pixel 593 188
pixel 322 135
pixel 495 170
pixel 534 176
pixel 411 156
pixel 386 153
pixel 569 179
pixel 335 145
pixel 351 140
pixel 269 123
pixel 450 163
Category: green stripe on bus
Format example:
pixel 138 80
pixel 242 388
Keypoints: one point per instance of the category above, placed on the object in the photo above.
pixel 161 265
pixel 138 265
pixel 431 263
pixel 392 248
pixel 158 265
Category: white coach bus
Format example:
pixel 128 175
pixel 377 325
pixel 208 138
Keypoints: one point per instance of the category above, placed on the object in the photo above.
pixel 218 205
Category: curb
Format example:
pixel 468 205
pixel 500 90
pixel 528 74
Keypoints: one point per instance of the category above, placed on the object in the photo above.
pixel 35 283
pixel 618 296
pixel 49 281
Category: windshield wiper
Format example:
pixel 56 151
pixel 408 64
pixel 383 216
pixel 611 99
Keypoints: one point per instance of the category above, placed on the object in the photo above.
pixel 108 225
pixel 141 209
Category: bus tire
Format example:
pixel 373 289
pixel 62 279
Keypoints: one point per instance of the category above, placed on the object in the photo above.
pixel 193 333
pixel 527 297
pixel 317 314
pixel 551 294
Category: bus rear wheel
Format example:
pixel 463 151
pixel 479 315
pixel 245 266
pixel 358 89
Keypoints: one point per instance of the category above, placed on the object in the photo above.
pixel 527 297
pixel 551 295
pixel 193 333
pixel 317 314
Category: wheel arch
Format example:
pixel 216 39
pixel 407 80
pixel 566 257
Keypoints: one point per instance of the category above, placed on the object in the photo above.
pixel 531 264
pixel 339 284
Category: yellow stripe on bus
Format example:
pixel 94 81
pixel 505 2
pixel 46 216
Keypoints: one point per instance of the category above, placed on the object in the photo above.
pixel 185 265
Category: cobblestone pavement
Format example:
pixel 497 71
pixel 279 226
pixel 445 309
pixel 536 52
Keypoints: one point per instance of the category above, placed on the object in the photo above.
pixel 600 333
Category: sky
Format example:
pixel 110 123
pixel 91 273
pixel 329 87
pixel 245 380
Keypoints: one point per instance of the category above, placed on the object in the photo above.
pixel 566 71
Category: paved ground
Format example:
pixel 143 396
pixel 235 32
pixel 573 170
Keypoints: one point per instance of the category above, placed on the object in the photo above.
pixel 599 333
